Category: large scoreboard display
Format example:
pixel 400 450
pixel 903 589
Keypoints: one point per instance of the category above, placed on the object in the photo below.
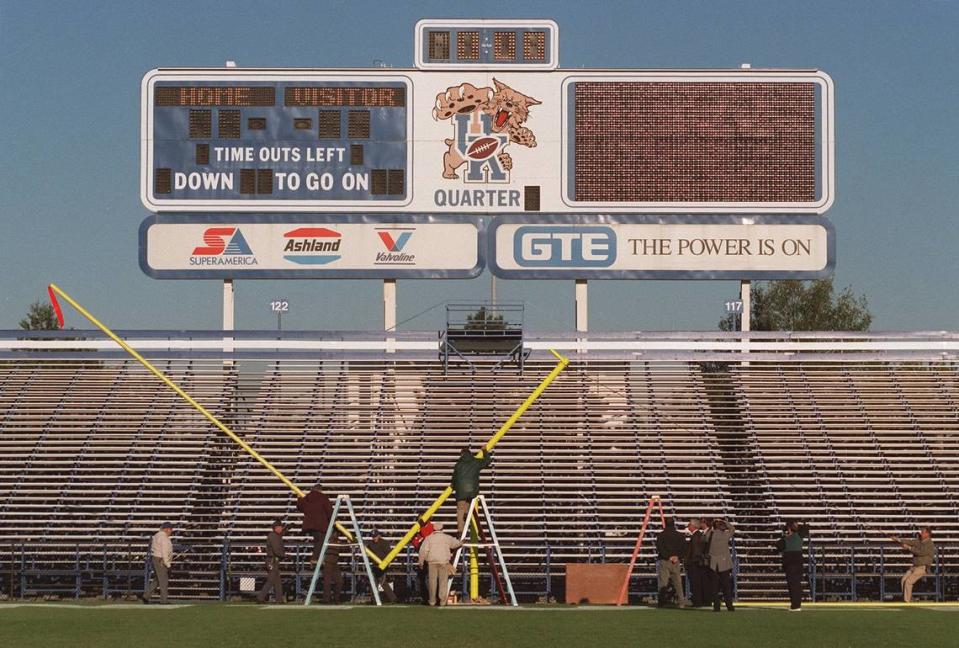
pixel 487 123
pixel 242 142
pixel 693 142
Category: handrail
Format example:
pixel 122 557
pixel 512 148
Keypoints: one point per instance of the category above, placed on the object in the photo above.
pixel 82 576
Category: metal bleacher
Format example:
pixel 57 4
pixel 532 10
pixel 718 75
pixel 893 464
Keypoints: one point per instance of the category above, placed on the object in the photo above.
pixel 856 449
pixel 95 453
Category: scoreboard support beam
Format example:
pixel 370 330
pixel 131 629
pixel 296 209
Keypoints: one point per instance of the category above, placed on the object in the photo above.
pixel 227 304
pixel 389 304
pixel 745 293
pixel 227 316
pixel 389 311
pixel 582 306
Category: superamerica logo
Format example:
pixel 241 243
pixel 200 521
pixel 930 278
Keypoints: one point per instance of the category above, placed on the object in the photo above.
pixel 312 245
pixel 485 120
pixel 223 246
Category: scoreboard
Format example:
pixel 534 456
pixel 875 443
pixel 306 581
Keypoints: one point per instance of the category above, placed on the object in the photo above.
pixel 246 141
pixel 488 138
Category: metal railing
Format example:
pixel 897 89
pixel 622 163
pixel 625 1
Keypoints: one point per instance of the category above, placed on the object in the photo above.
pixel 37 571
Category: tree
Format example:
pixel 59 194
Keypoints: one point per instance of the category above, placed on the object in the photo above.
pixel 484 320
pixel 40 317
pixel 804 306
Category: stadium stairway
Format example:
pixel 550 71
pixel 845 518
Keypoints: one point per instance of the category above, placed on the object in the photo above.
pixel 751 504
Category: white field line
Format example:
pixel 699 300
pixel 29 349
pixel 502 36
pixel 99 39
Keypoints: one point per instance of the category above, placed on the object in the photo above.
pixel 98 606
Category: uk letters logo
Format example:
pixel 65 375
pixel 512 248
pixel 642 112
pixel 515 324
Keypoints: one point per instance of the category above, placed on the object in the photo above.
pixel 223 246
pixel 312 245
pixel 485 120
pixel 394 239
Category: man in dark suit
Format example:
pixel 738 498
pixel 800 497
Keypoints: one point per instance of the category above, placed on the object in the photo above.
pixel 275 551
pixel 671 547
pixel 317 511
pixel 696 568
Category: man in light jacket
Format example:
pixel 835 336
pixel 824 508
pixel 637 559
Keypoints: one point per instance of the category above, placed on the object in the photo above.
pixel 923 556
pixel 275 551
pixel 435 552
pixel 161 555
pixel 720 562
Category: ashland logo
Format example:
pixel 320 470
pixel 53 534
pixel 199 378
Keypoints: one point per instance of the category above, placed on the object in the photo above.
pixel 223 246
pixel 395 239
pixel 306 242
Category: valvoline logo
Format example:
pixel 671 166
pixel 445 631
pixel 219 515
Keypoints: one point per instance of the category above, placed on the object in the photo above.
pixel 394 244
pixel 395 240
pixel 312 245
pixel 545 246
pixel 223 246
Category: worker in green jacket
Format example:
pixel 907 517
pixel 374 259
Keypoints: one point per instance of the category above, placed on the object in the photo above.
pixel 466 482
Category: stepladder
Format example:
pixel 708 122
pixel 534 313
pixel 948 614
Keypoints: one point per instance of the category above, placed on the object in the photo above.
pixel 477 518
pixel 344 504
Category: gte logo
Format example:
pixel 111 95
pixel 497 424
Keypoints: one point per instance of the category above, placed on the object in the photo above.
pixel 394 239
pixel 545 246
pixel 223 246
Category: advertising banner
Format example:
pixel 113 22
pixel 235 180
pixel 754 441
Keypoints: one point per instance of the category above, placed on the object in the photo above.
pixel 196 246
pixel 661 247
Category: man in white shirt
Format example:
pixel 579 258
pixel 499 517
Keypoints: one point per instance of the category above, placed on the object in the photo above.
pixel 435 552
pixel 161 555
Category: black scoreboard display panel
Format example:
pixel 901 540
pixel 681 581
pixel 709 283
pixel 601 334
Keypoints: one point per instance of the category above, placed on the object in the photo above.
pixel 337 140
pixel 694 142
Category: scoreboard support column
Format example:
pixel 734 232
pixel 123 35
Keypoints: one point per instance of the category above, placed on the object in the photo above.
pixel 227 317
pixel 745 293
pixel 582 307
pixel 389 311
pixel 227 304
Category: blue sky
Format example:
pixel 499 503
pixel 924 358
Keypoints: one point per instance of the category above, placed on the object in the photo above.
pixel 69 156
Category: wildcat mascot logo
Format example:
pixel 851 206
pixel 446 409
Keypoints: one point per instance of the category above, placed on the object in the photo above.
pixel 485 121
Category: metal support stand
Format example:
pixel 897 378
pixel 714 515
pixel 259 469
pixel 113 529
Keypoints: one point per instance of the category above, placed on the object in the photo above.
pixel 358 537
pixel 479 504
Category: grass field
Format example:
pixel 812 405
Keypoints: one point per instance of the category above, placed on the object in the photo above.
pixel 214 625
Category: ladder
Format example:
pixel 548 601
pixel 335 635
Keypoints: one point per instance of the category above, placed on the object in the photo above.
pixel 476 505
pixel 342 500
